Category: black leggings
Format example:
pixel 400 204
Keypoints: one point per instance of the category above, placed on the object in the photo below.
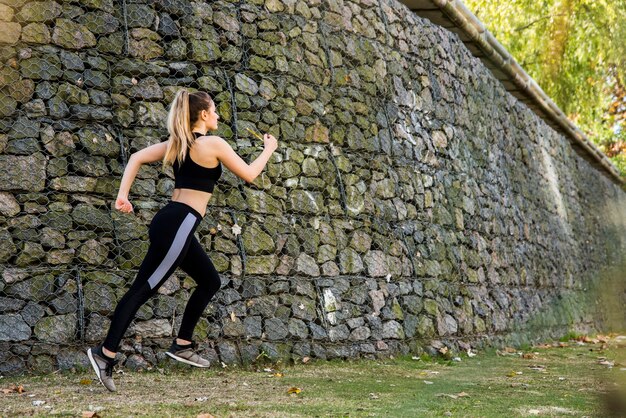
pixel 172 244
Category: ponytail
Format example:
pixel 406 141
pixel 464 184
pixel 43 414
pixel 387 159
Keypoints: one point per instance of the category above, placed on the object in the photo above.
pixel 182 116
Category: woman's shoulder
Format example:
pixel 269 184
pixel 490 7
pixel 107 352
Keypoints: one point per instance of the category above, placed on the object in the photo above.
pixel 209 139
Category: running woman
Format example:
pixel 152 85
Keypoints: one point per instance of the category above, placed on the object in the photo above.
pixel 196 160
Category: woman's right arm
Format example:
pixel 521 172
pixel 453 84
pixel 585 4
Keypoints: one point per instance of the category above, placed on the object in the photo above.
pixel 238 166
pixel 149 154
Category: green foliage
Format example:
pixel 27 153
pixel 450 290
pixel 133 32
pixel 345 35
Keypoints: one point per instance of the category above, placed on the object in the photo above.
pixel 575 50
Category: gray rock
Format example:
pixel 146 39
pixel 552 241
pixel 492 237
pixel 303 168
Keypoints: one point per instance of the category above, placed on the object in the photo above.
pixel 275 329
pixel 99 298
pixel 350 262
pixel 253 326
pixel 360 333
pixel 256 241
pixel 412 304
pixel 136 362
pixel 167 26
pixel 393 330
pixel 306 201
pixel 36 33
pixel 69 359
pixel 71 35
pixel 9 305
pixel 306 264
pixel 204 51
pixel 228 352
pixel 56 329
pixel 146 89
pixel 152 328
pixel 150 114
pixel 425 326
pixel 23 173
pixel 98 141
pixel 7 247
pixel 317 332
pixel 93 252
pixel 32 312
pixel 39 288
pixel 92 218
pixel 45 11
pixel 99 23
pixel 376 263
pixel 304 308
pixel 64 304
pixel 263 305
pixel 97 327
pixel 10 33
pixel 164 306
pixel 246 84
pixel 298 328
pixel 14 328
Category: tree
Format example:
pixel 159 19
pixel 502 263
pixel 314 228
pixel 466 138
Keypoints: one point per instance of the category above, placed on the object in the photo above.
pixel 576 51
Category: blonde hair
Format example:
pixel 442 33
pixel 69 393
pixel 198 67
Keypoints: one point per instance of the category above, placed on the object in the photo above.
pixel 182 116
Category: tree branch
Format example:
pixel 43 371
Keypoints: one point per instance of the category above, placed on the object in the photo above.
pixel 521 28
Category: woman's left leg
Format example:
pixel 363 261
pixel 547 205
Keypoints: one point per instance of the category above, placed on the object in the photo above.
pixel 198 265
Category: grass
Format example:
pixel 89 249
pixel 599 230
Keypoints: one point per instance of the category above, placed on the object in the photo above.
pixel 543 381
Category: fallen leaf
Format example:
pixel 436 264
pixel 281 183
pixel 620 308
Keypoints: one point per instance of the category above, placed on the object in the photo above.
pixel 528 356
pixel 85 381
pixel 278 374
pixel 13 389
pixel 458 395
pixel 510 350
pixel 443 350
pixel 513 374
pixel 90 414
pixel 543 346
pixel 294 389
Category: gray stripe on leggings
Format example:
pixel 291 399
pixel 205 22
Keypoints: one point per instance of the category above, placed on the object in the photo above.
pixel 174 251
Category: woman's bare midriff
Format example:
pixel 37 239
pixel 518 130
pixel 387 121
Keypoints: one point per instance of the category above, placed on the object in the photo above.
pixel 194 198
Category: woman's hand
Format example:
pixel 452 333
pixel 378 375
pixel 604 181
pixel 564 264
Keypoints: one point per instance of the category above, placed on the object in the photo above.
pixel 270 142
pixel 123 205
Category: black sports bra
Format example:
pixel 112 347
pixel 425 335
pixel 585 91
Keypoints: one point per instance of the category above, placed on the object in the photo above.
pixel 190 175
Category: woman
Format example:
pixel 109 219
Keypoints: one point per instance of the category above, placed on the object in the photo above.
pixel 196 159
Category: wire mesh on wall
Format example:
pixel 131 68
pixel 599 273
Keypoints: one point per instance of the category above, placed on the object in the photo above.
pixel 363 234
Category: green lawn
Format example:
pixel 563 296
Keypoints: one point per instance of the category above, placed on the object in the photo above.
pixel 554 381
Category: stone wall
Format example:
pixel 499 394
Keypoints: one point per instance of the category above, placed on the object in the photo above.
pixel 412 203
